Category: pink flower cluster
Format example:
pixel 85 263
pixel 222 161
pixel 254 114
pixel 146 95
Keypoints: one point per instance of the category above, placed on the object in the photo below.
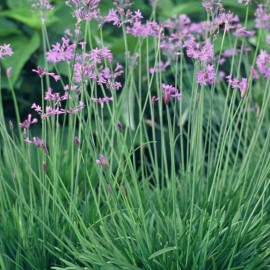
pixel 263 63
pixel 199 51
pixel 206 76
pixel 89 66
pixel 37 142
pixel 41 5
pixel 42 72
pixel 84 10
pixel 61 52
pixel 169 92
pixel 262 16
pixel 133 21
pixel 5 50
pixel 237 84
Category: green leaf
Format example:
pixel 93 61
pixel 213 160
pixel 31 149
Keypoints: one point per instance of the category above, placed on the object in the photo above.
pixel 7 28
pixel 161 251
pixel 165 3
pixel 187 8
pixel 14 4
pixel 23 48
pixel 28 17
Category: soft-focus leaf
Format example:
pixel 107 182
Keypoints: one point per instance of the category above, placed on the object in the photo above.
pixel 28 17
pixel 187 8
pixel 7 27
pixel 23 48
pixel 165 3
pixel 14 4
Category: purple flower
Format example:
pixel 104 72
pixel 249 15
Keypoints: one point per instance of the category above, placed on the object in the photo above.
pixel 122 3
pixel 28 122
pixel 263 63
pixel 242 32
pixel 77 108
pixel 227 20
pixel 41 72
pixel 244 1
pixel 37 142
pixel 137 29
pixel 241 85
pixel 101 101
pixel 56 97
pixel 97 55
pixel 254 73
pixel 169 92
pixel 262 17
pixel 5 50
pixel 207 76
pixel 113 17
pixel 229 52
pixel 160 67
pixel 61 52
pixel 84 10
pixel 200 51
pixel 102 160
pixel 37 108
pixel 52 111
pixel 42 5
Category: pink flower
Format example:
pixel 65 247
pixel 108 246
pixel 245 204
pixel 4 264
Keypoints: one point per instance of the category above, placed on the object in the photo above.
pixel 262 17
pixel 242 32
pixel 5 50
pixel 85 10
pixel 52 111
pixel 169 92
pixel 37 142
pixel 113 17
pixel 101 101
pixel 102 160
pixel 61 52
pixel 42 5
pixel 207 76
pixel 37 108
pixel 154 99
pixel 160 67
pixel 28 122
pixel 56 97
pixel 263 63
pixel 200 51
pixel 254 73
pixel 77 108
pixel 241 85
pixel 97 55
pixel 41 72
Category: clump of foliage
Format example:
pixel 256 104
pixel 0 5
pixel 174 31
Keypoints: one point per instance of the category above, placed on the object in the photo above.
pixel 149 155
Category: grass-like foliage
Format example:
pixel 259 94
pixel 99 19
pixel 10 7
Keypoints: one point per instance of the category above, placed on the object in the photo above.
pixel 155 157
